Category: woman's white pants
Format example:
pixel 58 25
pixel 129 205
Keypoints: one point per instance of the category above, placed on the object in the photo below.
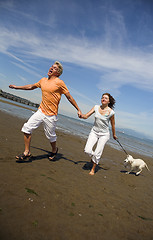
pixel 101 140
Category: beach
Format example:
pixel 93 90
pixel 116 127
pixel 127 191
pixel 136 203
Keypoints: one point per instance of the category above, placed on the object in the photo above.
pixel 59 200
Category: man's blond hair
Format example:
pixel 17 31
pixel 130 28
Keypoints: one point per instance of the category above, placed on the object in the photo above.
pixel 60 67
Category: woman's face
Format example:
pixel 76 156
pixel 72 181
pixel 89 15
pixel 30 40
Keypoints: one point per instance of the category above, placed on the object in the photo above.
pixel 105 100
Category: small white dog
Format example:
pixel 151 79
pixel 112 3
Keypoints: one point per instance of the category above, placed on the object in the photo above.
pixel 134 164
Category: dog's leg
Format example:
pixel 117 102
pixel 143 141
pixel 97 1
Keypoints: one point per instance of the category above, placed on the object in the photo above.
pixel 128 172
pixel 138 172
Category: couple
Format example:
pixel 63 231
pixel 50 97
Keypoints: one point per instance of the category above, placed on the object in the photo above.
pixel 52 88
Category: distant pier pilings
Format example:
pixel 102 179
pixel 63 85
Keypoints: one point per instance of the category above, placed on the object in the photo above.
pixel 17 99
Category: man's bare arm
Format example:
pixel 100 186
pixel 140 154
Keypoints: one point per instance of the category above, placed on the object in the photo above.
pixel 25 87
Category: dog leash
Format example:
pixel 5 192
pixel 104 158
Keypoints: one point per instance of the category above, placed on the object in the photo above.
pixel 121 146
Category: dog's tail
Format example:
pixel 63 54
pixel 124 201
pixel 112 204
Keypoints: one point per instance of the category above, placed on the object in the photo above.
pixel 147 167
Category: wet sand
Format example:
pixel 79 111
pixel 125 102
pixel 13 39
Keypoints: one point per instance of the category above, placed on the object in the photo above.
pixel 59 200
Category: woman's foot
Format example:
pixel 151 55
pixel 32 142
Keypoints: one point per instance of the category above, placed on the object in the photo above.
pixel 92 172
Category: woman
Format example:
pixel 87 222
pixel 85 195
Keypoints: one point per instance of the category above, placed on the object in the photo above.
pixel 100 131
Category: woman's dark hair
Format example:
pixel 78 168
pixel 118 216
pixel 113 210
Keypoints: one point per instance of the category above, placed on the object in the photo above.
pixel 111 99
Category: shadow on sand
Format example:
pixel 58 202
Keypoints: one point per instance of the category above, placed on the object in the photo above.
pixel 87 165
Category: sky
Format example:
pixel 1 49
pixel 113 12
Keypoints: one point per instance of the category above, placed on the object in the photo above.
pixel 103 45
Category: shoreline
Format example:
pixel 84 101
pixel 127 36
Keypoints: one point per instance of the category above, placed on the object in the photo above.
pixel 130 149
pixel 42 199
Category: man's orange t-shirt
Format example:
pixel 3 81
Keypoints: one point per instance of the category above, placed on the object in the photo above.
pixel 52 89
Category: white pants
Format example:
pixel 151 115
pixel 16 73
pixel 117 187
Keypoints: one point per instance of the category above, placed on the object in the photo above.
pixel 49 124
pixel 101 140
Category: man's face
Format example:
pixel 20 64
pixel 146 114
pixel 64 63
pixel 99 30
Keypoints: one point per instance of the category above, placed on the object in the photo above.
pixel 53 71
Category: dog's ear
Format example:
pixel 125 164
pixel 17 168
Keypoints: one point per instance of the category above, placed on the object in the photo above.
pixel 131 159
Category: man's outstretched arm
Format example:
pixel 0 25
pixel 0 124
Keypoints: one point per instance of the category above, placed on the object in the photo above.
pixel 25 87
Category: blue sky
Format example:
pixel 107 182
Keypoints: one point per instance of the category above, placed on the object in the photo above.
pixel 104 46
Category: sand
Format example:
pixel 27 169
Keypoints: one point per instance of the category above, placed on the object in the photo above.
pixel 59 200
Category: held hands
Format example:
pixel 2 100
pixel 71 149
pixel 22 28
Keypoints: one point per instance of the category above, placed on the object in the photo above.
pixel 79 114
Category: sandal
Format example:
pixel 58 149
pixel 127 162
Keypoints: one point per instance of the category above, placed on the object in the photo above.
pixel 52 155
pixel 23 156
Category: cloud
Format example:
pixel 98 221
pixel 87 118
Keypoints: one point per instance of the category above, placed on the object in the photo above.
pixel 23 79
pixel 110 54
pixel 117 68
pixel 80 96
pixel 27 69
pixel 136 121
pixel 3 75
pixel 117 79
pixel 30 12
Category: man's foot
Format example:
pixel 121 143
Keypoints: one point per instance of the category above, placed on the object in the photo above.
pixel 52 155
pixel 23 156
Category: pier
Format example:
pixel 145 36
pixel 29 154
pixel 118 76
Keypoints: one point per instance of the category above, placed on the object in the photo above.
pixel 17 99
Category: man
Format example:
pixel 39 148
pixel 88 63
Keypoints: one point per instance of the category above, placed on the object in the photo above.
pixel 52 88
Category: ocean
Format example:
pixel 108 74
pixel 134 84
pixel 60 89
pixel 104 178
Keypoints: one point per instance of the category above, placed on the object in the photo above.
pixel 81 128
